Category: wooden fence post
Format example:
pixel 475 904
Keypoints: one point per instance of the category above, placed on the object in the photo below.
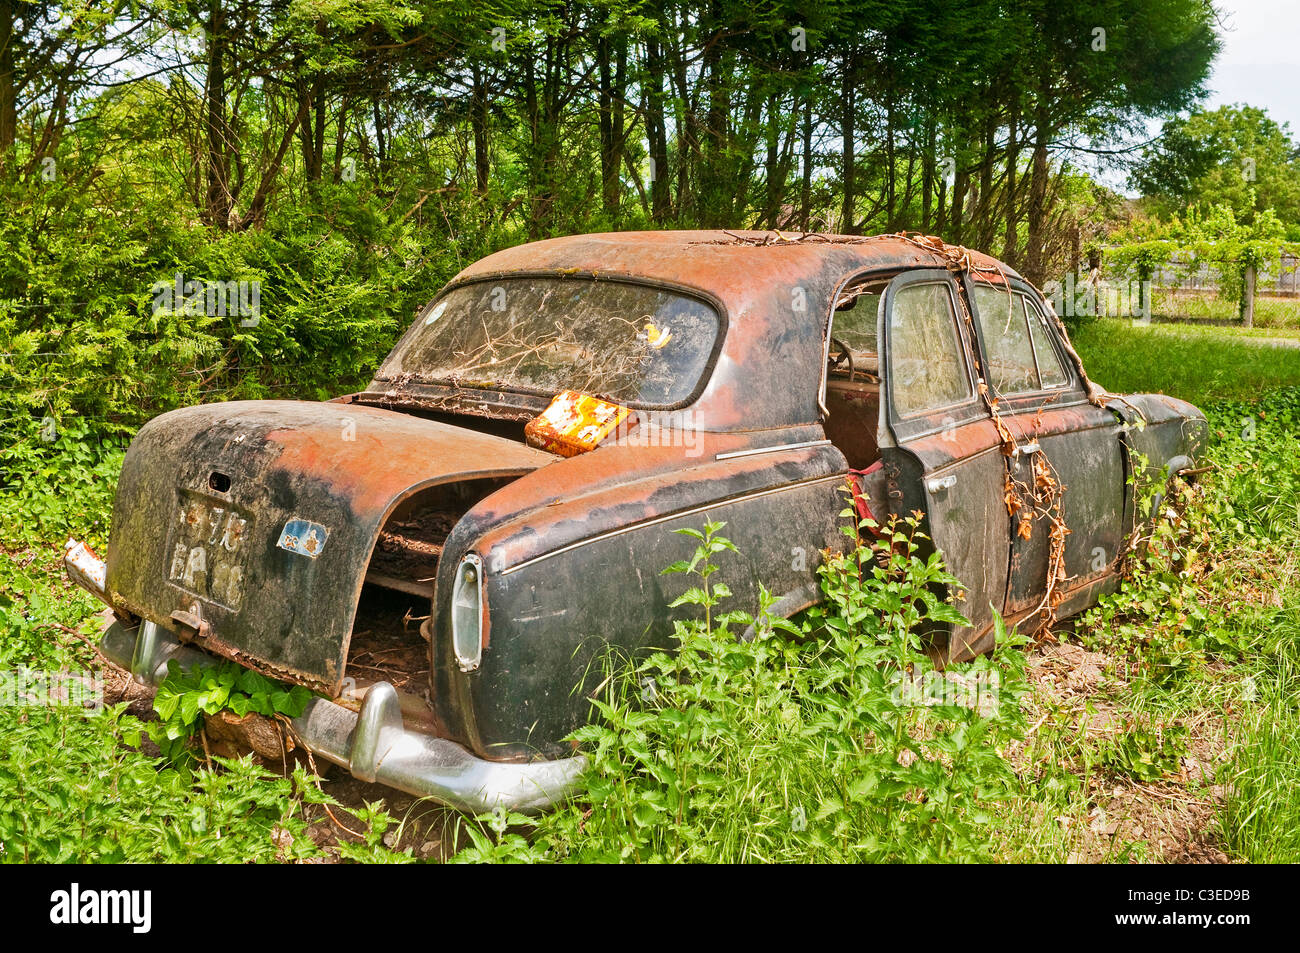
pixel 1248 298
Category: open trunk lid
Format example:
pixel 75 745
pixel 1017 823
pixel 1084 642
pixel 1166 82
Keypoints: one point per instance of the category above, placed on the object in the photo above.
pixel 248 526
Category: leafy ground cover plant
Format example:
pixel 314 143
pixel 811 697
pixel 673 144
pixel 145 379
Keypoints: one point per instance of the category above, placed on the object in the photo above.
pixel 831 740
pixel 71 791
pixel 186 696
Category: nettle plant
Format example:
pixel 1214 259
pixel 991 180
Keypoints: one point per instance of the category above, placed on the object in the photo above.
pixel 187 695
pixel 801 742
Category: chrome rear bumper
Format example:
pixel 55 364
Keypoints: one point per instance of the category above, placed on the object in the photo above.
pixel 372 744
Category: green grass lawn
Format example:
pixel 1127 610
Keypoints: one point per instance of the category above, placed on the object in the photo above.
pixel 1271 311
pixel 1199 364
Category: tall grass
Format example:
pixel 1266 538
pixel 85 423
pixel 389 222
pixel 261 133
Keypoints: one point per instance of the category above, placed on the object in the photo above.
pixel 1261 813
pixel 1201 365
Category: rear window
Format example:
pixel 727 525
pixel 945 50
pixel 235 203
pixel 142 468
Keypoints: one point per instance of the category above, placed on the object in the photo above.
pixel 634 344
pixel 854 323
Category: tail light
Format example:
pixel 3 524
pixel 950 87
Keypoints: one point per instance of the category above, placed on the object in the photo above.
pixel 467 613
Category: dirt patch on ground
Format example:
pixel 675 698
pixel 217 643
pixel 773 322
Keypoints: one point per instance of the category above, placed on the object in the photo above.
pixel 1079 695
pixel 428 830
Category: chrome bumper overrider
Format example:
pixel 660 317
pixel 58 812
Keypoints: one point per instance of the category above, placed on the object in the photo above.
pixel 372 744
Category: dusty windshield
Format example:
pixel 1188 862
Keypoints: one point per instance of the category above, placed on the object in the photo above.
pixel 626 342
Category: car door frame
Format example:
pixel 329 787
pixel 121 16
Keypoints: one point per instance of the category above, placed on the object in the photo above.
pixel 946 463
pixel 1084 445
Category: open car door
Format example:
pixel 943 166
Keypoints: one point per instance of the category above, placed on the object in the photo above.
pixel 940 448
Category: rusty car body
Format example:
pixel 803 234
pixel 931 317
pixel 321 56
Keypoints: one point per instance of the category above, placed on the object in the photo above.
pixel 300 539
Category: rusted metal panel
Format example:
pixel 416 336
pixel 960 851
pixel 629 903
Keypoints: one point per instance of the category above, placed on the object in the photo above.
pixel 554 618
pixel 956 479
pixel 273 565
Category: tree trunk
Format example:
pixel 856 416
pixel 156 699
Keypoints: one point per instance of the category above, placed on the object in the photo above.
pixel 984 216
pixel 311 132
pixel 772 202
pixel 478 119
pixel 714 137
pixel 8 80
pixel 960 180
pixel 381 139
pixel 889 161
pixel 612 76
pixel 609 165
pixel 1011 238
pixel 219 201
pixel 656 132
pixel 927 175
pixel 620 124
pixel 688 138
pixel 318 133
pixel 340 136
pixel 848 158
pixel 1036 213
pixel 805 179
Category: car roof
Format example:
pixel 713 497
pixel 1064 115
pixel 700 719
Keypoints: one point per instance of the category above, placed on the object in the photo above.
pixel 727 263
pixel 776 289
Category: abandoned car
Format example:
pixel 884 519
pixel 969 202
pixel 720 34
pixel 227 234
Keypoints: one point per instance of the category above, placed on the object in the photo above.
pixel 513 475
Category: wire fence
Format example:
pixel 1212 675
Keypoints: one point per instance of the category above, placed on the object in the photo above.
pixel 1205 291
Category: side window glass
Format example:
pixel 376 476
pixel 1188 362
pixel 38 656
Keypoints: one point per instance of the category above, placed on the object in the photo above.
pixel 855 323
pixel 1049 361
pixel 1010 352
pixel 853 347
pixel 927 363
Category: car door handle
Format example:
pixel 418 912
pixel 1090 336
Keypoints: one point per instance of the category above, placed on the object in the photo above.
pixel 1027 448
pixel 941 483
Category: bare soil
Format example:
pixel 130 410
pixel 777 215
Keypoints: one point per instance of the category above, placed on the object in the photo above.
pixel 1166 821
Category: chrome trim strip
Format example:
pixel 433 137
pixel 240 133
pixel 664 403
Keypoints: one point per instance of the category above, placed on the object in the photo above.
pixel 668 518
pixel 731 455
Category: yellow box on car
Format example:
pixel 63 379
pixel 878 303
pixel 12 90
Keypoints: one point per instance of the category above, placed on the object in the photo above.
pixel 575 423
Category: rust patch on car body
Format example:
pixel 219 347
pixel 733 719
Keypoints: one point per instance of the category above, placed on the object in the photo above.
pixel 292 464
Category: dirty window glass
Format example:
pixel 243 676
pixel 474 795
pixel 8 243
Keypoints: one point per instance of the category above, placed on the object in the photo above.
pixel 926 362
pixel 625 342
pixel 1010 353
pixel 855 323
pixel 1049 362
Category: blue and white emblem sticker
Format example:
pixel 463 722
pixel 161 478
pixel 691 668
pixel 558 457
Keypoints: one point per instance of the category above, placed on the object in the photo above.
pixel 303 537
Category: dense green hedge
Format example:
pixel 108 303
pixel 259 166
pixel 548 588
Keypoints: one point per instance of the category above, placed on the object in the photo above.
pixel 81 334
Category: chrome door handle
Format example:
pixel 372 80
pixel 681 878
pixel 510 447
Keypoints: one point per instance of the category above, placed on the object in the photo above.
pixel 1031 447
pixel 941 483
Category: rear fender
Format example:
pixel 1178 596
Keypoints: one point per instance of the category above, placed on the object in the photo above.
pixel 247 527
